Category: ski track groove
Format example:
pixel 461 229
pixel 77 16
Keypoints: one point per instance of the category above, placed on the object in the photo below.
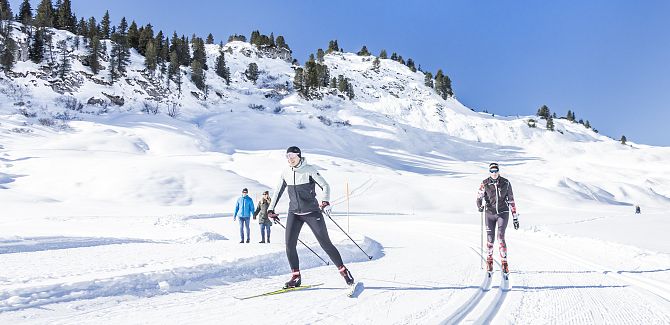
pixel 614 315
pixel 657 288
pixel 627 314
pixel 474 300
pixel 471 303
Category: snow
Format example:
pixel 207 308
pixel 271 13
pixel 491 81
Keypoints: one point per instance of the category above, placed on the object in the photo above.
pixel 124 217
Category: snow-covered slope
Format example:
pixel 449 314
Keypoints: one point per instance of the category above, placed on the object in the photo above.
pixel 112 214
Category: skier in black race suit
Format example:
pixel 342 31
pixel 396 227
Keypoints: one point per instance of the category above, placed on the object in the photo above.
pixel 496 197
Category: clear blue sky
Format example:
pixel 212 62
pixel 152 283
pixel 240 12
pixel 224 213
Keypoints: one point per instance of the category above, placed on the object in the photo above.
pixel 606 60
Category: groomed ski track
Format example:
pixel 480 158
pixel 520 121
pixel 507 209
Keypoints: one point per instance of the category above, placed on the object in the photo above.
pixel 548 282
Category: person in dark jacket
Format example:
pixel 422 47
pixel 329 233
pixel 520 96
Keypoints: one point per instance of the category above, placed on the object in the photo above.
pixel 300 180
pixel 496 197
pixel 262 214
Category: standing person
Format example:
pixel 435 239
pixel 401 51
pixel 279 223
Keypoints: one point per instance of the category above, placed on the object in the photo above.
pixel 496 197
pixel 300 181
pixel 244 209
pixel 262 213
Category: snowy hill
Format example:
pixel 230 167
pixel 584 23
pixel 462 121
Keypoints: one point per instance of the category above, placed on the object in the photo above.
pixel 114 214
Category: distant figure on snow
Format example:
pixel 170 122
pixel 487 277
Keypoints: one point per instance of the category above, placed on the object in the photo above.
pixel 300 180
pixel 244 209
pixel 496 197
pixel 262 213
pixel 637 209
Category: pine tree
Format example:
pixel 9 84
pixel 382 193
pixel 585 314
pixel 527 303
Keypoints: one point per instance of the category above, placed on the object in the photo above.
pixel 550 123
pixel 5 10
pixel 221 68
pixel 383 55
pixel 94 55
pixel 350 90
pixel 252 72
pixel 210 39
pixel 333 83
pixel 443 85
pixel 439 79
pixel 163 52
pixel 183 51
pixel 64 66
pixel 151 57
pixel 237 38
pixel 410 65
pixel 105 26
pixel 64 16
pixel 7 49
pixel 341 84
pixel 299 80
pixel 623 139
pixel 364 51
pixel 544 112
pixel 173 67
pixel 36 50
pixel 280 43
pixel 319 55
pixel 255 35
pixel 332 46
pixel 311 74
pixel 82 28
pixel 45 14
pixel 323 74
pixel 178 77
pixel 428 79
pixel 199 52
pixel 120 50
pixel 159 42
pixel 146 36
pixel 133 36
pixel 587 124
pixel 25 13
pixel 376 64
pixel 198 74
pixel 394 56
pixel 92 29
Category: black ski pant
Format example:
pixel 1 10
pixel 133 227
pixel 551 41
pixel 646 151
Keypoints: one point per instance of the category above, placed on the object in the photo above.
pixel 501 220
pixel 316 222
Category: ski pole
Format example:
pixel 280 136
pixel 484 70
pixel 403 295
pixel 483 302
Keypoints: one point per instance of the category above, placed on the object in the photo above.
pixel 481 236
pixel 338 226
pixel 317 255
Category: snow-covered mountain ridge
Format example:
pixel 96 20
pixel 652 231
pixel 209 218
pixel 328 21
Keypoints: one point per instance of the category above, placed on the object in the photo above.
pixel 394 122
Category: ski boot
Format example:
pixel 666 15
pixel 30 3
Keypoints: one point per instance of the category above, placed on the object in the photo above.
pixel 505 267
pixel 489 264
pixel 295 280
pixel 346 274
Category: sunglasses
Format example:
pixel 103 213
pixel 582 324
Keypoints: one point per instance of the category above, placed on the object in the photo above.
pixel 493 171
pixel 292 155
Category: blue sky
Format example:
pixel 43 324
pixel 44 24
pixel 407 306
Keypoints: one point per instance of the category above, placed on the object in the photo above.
pixel 606 60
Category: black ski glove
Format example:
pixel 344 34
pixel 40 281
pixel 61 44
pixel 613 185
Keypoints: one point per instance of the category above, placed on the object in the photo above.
pixel 516 222
pixel 481 209
pixel 273 216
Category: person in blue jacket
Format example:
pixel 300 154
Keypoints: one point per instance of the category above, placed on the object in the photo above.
pixel 244 209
